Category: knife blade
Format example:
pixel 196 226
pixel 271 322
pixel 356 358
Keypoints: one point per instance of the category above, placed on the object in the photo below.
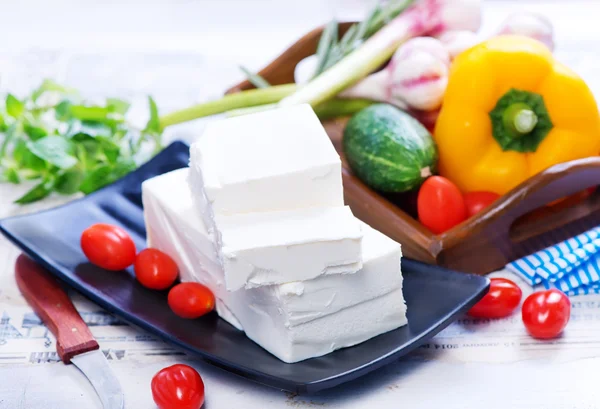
pixel 74 341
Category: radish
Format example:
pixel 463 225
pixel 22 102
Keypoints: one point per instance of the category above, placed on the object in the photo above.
pixel 424 17
pixel 416 77
pixel 458 41
pixel 531 25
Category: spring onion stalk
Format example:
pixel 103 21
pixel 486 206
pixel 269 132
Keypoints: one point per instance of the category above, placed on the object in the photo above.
pixel 338 107
pixel 334 108
pixel 424 17
pixel 243 99
pixel 250 110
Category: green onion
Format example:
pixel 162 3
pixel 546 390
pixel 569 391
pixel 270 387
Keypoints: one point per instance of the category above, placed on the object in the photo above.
pixel 237 100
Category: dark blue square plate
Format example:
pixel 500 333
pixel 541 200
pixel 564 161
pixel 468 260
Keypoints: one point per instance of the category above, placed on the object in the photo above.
pixel 435 296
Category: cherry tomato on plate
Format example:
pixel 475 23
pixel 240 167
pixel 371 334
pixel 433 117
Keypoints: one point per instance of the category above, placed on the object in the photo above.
pixel 501 300
pixel 178 387
pixel 108 246
pixel 440 204
pixel 155 269
pixel 477 201
pixel 546 313
pixel 191 300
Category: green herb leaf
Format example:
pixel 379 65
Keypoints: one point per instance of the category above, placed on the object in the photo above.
pixel 55 150
pixel 83 130
pixel 110 149
pixel 92 149
pixel 20 151
pixel 90 113
pixel 27 160
pixel 83 148
pixel 3 125
pixel 63 111
pixel 68 182
pixel 12 176
pixel 34 132
pixel 49 85
pixel 39 192
pixel 96 179
pixel 255 79
pixel 123 167
pixel 9 135
pixel 153 124
pixel 117 105
pixel 14 107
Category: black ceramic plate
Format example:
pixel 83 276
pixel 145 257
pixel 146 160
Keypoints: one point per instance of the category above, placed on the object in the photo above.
pixel 435 296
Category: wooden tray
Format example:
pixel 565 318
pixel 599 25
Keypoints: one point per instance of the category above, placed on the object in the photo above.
pixel 519 223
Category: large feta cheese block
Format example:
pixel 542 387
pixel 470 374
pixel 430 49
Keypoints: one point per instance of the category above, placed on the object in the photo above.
pixel 279 159
pixel 294 321
pixel 261 249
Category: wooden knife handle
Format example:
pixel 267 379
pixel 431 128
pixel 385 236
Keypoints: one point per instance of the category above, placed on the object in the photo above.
pixel 53 306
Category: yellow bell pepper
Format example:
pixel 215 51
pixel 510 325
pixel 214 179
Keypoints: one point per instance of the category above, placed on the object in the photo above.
pixel 511 111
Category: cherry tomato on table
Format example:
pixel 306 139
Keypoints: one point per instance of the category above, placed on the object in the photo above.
pixel 191 300
pixel 178 387
pixel 440 204
pixel 501 300
pixel 108 246
pixel 477 201
pixel 546 313
pixel 155 269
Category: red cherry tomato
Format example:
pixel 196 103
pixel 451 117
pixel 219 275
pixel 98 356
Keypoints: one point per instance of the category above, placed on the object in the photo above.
pixel 440 205
pixel 178 387
pixel 108 246
pixel 191 300
pixel 477 201
pixel 501 300
pixel 155 269
pixel 546 313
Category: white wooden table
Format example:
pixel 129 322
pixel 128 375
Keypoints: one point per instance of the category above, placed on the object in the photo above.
pixel 184 51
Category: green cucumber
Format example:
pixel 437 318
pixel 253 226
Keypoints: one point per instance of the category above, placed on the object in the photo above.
pixel 388 149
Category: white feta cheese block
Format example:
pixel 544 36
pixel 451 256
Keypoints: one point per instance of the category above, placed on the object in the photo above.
pixel 303 301
pixel 261 249
pixel 279 159
pixel 293 321
pixel 347 327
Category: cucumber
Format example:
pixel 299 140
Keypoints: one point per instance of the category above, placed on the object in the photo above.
pixel 388 149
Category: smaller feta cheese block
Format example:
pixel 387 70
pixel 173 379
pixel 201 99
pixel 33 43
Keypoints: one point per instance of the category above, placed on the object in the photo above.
pixel 303 301
pixel 261 249
pixel 279 159
pixel 347 327
pixel 293 321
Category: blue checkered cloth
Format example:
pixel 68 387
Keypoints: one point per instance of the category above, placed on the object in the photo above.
pixel 572 266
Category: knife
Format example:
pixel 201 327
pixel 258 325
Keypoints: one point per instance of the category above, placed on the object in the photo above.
pixel 74 342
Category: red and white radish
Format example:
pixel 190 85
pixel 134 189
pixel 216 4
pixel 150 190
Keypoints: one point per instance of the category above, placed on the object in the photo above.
pixel 531 25
pixel 458 41
pixel 416 77
pixel 425 17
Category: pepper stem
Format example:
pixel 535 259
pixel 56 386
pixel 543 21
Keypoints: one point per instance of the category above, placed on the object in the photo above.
pixel 520 119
